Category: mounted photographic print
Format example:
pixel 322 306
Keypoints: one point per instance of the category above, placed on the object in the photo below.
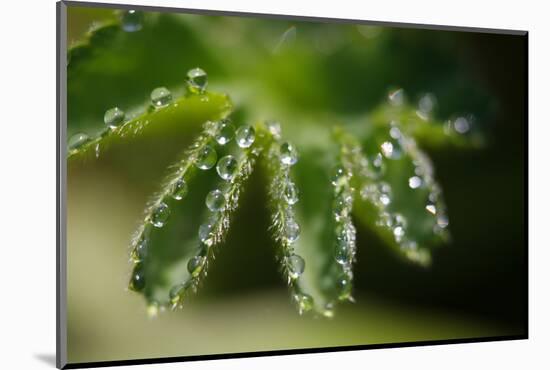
pixel 236 184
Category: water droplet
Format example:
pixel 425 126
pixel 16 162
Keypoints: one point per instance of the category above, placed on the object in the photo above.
pixel 245 136
pixel 342 253
pixel 295 265
pixel 415 182
pixel 160 215
pixel 344 287
pixel 385 193
pixel 140 250
pixel 385 220
pixel 195 265
pixel 461 125
pixel 205 232
pixel 378 166
pixel 430 207
pixel 178 292
pixel 215 201
pixel 179 189
pixel 396 97
pixel 304 302
pixel 291 193
pixel 161 97
pixel 197 80
pixel 114 117
pixel 442 221
pixel 345 236
pixel 399 225
pixel 398 232
pixel 342 206
pixel 153 309
pixel 289 154
pixel 395 132
pixel 274 129
pixel 225 132
pixel 137 282
pixel 427 103
pixel 227 167
pixel 391 149
pixel 328 311
pixel 132 20
pixel 77 140
pixel 206 158
pixel 340 176
pixel 292 231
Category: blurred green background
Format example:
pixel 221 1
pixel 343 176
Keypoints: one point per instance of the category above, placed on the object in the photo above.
pixel 296 71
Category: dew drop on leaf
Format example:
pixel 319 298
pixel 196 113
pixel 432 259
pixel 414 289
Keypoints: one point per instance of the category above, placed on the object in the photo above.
pixel 179 189
pixel 430 207
pixel 140 250
pixel 161 97
pixel 461 125
pixel 227 167
pixel 342 254
pixel 378 166
pixel 177 293
pixel 206 158
pixel 289 154
pixel 132 20
pixel 225 132
pixel 304 302
pixel 197 80
pixel 114 117
pixel 415 182
pixel 245 136
pixel 291 193
pixel 396 97
pixel 292 231
pixel 160 215
pixel 205 232
pixel 215 201
pixel 137 282
pixel 339 176
pixel 296 266
pixel 195 265
pixel 344 287
pixel 391 149
pixel 77 140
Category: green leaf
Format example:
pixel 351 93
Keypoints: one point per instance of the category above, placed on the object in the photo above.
pixel 111 67
pixel 173 246
pixel 177 118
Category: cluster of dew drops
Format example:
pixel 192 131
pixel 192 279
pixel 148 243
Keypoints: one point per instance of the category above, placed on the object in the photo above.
pixel 393 148
pixel 294 263
pixel 204 159
pixel 131 21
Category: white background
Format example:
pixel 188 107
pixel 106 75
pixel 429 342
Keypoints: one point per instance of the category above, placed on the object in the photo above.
pixel 27 154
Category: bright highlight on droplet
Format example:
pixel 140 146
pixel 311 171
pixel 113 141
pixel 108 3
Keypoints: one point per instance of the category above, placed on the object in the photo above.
pixel 215 201
pixel 160 215
pixel 245 136
pixel 415 182
pixel 206 158
pixel 197 80
pixel 179 190
pixel 161 97
pixel 225 132
pixel 132 20
pixel 289 154
pixel 227 167
pixel 295 265
pixel 114 117
pixel 77 140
